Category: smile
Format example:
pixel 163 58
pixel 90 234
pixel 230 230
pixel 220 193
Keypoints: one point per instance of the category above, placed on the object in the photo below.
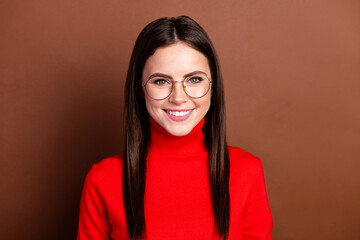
pixel 178 113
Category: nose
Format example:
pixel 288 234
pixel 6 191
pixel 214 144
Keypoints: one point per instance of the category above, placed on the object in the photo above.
pixel 178 94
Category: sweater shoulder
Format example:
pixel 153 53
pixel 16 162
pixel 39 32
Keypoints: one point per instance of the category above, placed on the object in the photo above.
pixel 241 159
pixel 107 169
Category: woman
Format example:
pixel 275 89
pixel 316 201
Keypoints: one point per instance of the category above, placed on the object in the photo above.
pixel 177 178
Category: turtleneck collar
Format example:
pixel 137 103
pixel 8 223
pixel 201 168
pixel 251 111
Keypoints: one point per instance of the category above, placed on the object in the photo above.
pixel 163 142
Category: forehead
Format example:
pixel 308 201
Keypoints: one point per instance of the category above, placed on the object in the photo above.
pixel 176 60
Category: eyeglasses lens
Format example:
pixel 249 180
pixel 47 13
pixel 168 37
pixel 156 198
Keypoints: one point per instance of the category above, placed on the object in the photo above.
pixel 195 86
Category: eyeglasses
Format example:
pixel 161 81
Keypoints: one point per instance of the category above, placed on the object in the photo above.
pixel 161 86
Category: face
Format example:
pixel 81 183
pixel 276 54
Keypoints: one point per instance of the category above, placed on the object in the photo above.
pixel 178 114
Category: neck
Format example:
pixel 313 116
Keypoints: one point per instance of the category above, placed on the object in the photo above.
pixel 165 143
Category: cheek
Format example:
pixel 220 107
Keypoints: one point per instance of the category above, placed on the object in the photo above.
pixel 204 104
pixel 152 105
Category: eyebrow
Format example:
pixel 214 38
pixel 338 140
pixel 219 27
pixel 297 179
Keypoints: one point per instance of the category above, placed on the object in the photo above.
pixel 196 72
pixel 160 75
pixel 169 77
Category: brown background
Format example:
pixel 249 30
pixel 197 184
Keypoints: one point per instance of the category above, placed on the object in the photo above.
pixel 291 69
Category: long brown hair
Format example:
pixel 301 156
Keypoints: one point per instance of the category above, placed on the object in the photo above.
pixel 160 33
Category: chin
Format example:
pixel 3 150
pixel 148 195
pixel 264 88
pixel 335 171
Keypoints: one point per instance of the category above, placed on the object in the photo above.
pixel 178 131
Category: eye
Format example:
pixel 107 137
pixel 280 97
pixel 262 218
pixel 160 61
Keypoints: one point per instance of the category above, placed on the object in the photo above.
pixel 160 82
pixel 194 80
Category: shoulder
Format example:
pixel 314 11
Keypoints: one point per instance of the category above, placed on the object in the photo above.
pixel 102 191
pixel 110 164
pixel 242 161
pixel 107 171
pixel 240 156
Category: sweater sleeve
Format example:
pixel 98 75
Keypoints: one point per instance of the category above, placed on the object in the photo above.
pixel 257 217
pixel 93 219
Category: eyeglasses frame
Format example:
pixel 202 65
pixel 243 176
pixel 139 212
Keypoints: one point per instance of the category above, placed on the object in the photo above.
pixel 172 89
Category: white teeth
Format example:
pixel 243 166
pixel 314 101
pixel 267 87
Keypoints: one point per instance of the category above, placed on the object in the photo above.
pixel 178 113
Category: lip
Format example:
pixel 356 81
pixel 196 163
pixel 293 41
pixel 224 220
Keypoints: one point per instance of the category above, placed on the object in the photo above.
pixel 178 114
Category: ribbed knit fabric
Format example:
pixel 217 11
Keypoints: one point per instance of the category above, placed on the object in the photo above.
pixel 177 193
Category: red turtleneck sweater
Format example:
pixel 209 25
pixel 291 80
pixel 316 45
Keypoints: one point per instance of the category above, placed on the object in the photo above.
pixel 177 193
